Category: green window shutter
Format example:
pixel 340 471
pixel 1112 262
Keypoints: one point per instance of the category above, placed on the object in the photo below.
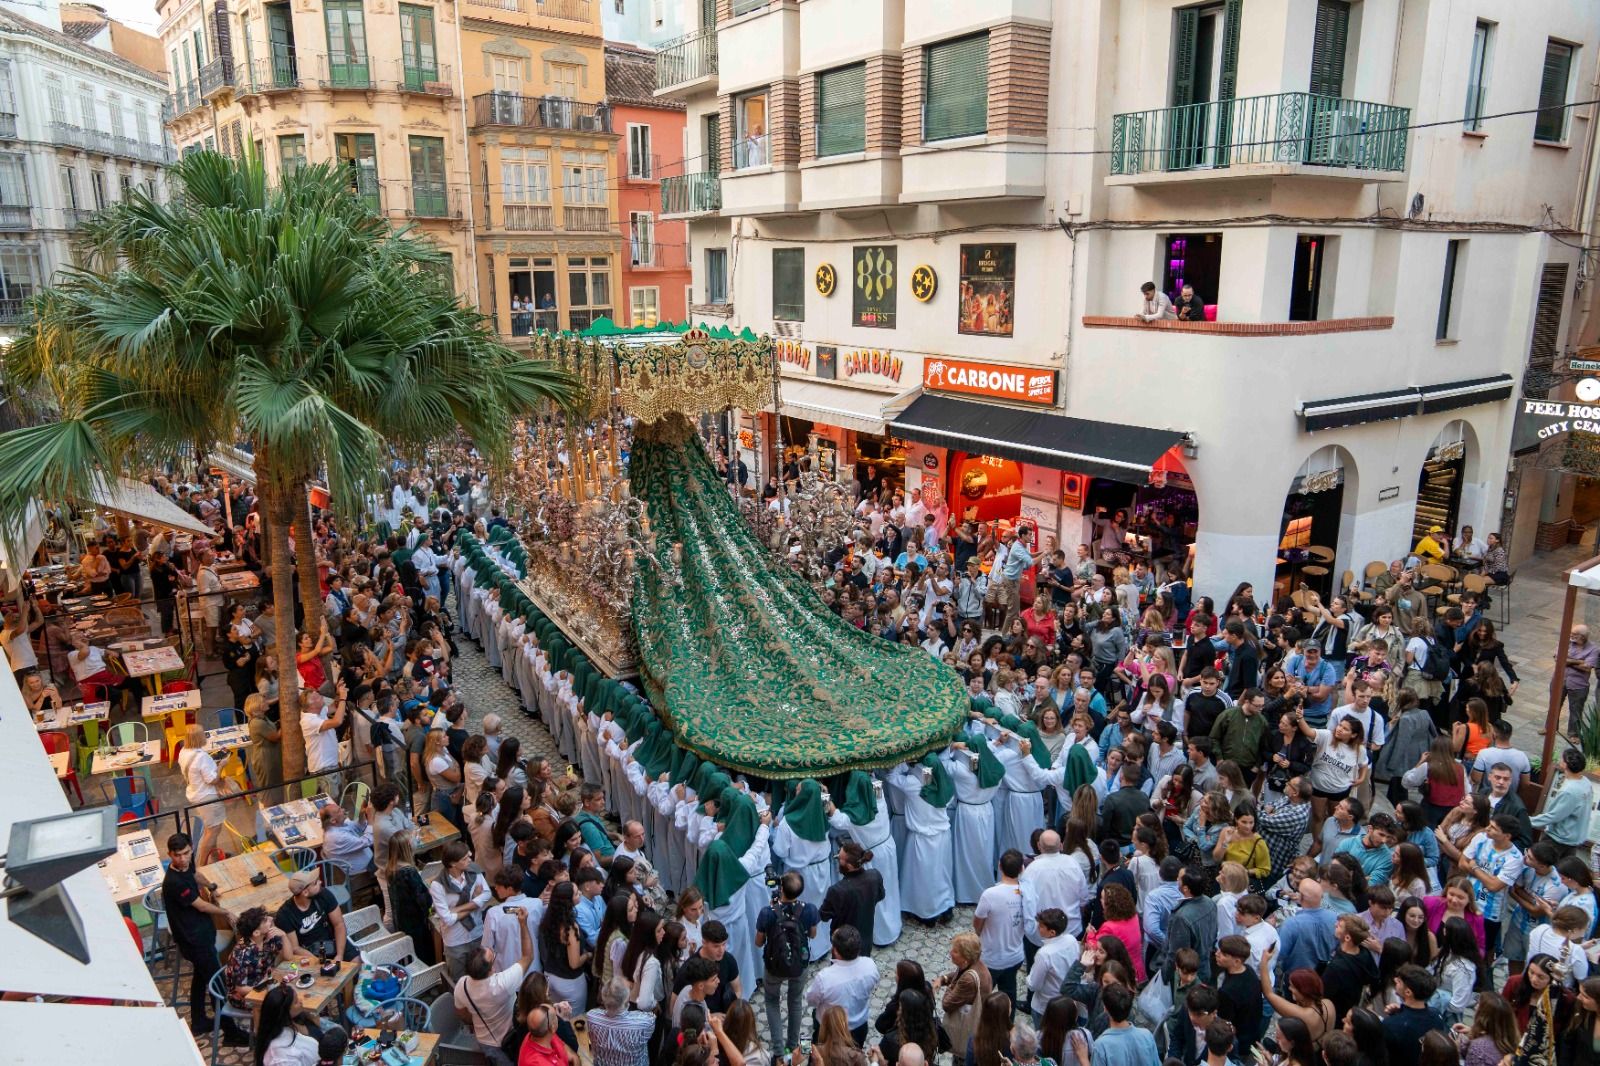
pixel 789 284
pixel 955 88
pixel 1328 47
pixel 1185 30
pixel 842 110
pixel 1233 16
pixel 1551 125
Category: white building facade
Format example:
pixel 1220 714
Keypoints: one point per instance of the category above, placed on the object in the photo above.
pixel 945 213
pixel 80 129
pixel 646 23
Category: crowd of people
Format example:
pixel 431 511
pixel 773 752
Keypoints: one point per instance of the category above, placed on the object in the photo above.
pixel 1292 835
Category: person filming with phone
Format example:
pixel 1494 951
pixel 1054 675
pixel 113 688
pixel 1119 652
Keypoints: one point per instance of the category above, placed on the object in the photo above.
pixel 486 1000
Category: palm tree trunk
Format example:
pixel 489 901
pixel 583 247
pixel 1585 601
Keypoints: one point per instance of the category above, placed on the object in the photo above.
pixel 305 547
pixel 277 517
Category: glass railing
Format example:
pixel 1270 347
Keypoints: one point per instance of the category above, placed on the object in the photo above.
pixel 1285 128
pixel 686 59
pixel 690 194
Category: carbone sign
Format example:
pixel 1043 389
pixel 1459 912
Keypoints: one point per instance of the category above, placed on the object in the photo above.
pixel 1015 383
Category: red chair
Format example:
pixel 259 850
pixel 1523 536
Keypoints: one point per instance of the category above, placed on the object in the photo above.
pixel 57 743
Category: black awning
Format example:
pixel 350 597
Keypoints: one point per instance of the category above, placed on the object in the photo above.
pixel 1356 410
pixel 1099 449
pixel 1454 394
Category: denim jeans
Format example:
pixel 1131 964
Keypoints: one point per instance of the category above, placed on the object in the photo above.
pixel 781 1037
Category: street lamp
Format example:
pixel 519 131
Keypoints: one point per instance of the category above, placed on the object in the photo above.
pixel 43 853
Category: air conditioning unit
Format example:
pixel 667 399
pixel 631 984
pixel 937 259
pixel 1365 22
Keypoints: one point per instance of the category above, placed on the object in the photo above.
pixel 1335 138
pixel 590 123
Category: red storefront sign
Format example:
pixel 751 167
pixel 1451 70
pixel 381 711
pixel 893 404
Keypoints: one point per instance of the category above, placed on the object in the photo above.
pixel 1014 383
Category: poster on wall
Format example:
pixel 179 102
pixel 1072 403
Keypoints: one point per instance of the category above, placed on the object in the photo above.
pixel 1043 515
pixel 873 280
pixel 988 284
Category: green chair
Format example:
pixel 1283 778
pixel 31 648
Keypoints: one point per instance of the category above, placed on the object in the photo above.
pixel 126 733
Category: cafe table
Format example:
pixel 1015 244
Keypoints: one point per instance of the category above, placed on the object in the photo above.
pixel 435 830
pixel 323 990
pixel 127 757
pixel 296 816
pixel 239 581
pixel 171 703
pixel 235 894
pixel 151 663
pixel 61 763
pixel 70 715
pixel 226 739
pixel 134 868
pixel 421 1055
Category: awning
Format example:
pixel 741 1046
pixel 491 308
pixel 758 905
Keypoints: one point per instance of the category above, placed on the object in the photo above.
pixel 26 541
pixel 1402 403
pixel 1099 449
pixel 227 460
pixel 833 405
pixel 136 500
pixel 1466 393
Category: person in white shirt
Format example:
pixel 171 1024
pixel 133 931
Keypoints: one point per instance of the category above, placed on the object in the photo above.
pixel 203 782
pixel 999 920
pixel 1251 916
pixel 486 997
pixel 320 728
pixel 427 564
pixel 1057 952
pixel 1562 939
pixel 459 900
pixel 1057 881
pixel 847 981
pixel 500 927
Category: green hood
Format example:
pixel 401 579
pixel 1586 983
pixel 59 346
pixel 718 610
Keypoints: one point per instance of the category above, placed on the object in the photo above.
pixel 804 812
pixel 716 783
pixel 684 767
pixel 739 817
pixel 941 790
pixel 1080 769
pixel 1029 732
pixel 860 803
pixel 990 769
pixel 720 875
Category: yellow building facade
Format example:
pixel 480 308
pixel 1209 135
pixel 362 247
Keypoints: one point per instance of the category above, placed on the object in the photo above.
pixel 481 122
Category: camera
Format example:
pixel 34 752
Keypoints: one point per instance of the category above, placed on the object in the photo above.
pixel 927 775
pixel 972 761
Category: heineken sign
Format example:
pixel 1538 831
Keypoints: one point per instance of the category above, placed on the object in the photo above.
pixel 1542 420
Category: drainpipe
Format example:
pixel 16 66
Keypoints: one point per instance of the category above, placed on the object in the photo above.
pixel 466 140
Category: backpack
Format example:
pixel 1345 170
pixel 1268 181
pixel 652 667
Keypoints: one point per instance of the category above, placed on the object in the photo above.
pixel 786 953
pixel 1436 667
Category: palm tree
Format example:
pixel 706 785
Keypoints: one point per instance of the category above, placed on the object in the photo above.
pixel 288 316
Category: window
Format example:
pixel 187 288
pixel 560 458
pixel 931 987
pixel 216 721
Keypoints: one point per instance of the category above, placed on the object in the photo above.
pixel 588 289
pixel 291 153
pixel 97 185
pixel 712 163
pixel 644 305
pixel 842 110
pixel 124 186
pixel 789 284
pixel 19 272
pixel 358 152
pixel 1311 288
pixel 525 175
pixel 1551 125
pixel 639 163
pixel 13 181
pixel 955 88
pixel 58 104
pixel 69 188
pixel 1455 267
pixel 199 48
pixel 658 13
pixel 86 105
pixel 418 51
pixel 1546 340
pixel 141 121
pixel 1329 42
pixel 428 196
pixel 1477 77
pixel 583 178
pixel 564 80
pixel 716 275
pixel 750 132
pixel 642 238
pixel 347 43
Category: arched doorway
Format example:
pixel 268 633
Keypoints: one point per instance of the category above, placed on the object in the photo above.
pixel 1448 490
pixel 1313 535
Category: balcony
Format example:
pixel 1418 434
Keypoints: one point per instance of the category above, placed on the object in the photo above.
pixel 349 72
pixel 15 217
pixel 77 216
pixel 528 218
pixel 276 75
pixel 690 194
pixel 539 112
pixel 687 63
pixel 99 141
pixel 498 5
pixel 431 199
pixel 585 220
pixel 184 99
pixel 13 311
pixel 1261 136
pixel 8 126
pixel 427 79
pixel 572 10
pixel 216 76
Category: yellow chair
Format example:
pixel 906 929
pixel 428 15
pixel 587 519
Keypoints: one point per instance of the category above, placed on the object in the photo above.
pixel 174 727
pixel 231 766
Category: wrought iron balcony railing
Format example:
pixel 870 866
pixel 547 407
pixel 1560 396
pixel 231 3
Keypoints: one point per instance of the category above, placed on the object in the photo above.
pixel 686 59
pixel 540 112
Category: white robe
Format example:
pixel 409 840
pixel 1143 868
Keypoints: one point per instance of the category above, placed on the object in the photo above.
pixel 736 914
pixel 813 860
pixel 1019 804
pixel 876 838
pixel 927 887
pixel 972 824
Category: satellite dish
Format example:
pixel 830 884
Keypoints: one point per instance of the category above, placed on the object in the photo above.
pixel 1416 206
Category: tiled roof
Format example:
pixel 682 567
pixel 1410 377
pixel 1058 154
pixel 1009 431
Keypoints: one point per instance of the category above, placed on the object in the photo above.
pixel 11 22
pixel 631 78
pixel 83 30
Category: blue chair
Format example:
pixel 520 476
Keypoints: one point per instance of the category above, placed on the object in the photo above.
pixel 131 795
pixel 443 1020
pixel 221 1009
pixel 223 716
pixel 291 860
pixel 335 879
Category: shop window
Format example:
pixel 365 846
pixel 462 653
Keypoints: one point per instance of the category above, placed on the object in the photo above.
pixel 1455 266
pixel 842 110
pixel 789 284
pixel 588 290
pixel 955 88
pixel 644 305
pixel 750 133
pixel 716 275
pixel 1193 259
pixel 1551 125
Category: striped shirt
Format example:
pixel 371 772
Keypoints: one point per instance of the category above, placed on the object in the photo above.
pixel 620 1039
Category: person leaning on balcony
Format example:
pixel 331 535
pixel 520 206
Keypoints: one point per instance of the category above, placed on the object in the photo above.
pixel 1190 308
pixel 1157 305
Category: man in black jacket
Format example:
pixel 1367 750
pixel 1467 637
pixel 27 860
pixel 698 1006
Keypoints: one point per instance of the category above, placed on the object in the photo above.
pixel 853 899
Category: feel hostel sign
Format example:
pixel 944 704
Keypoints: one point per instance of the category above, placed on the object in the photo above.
pixel 1542 420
